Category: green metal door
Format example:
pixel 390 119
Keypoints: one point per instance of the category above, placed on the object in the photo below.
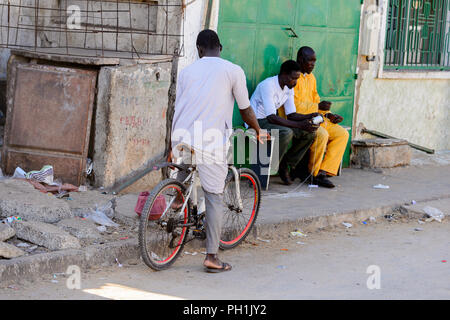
pixel 259 35
pixel 253 34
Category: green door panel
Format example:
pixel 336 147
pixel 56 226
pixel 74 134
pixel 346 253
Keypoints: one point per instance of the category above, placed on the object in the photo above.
pixel 342 80
pixel 272 49
pixel 314 38
pixel 340 106
pixel 312 13
pixel 235 42
pixel 337 78
pixel 344 13
pixel 280 12
pixel 241 11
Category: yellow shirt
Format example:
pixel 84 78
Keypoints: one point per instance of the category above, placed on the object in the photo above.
pixel 306 98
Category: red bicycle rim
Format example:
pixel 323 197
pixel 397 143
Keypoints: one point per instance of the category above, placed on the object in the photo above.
pixel 252 216
pixel 182 233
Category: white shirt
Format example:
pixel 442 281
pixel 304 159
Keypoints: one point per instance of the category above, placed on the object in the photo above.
pixel 269 96
pixel 206 91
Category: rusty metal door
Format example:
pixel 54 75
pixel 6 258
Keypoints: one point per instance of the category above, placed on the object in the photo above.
pixel 49 112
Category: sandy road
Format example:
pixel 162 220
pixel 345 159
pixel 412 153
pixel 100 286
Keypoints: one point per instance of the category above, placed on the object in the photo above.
pixel 331 264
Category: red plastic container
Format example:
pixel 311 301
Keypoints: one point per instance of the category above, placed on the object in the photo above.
pixel 158 206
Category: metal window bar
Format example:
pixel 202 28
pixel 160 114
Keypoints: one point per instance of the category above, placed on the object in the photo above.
pixel 417 35
pixel 126 29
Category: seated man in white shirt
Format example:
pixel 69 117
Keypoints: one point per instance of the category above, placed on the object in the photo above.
pixel 271 94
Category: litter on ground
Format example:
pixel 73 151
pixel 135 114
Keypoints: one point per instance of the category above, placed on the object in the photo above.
pixel 23 245
pixel 298 233
pixel 434 213
pixel 347 225
pixel 380 186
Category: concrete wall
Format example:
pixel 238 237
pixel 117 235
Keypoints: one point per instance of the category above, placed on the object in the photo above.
pixel 417 110
pixel 411 105
pixel 130 126
pixel 193 19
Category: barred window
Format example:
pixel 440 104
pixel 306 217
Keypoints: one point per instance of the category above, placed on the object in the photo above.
pixel 417 35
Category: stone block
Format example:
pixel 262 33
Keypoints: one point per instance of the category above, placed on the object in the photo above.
pixel 6 232
pixel 9 251
pixel 381 153
pixel 80 228
pixel 46 235
pixel 19 198
pixel 83 202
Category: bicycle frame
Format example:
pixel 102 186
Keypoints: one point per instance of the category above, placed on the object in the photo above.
pixel 192 181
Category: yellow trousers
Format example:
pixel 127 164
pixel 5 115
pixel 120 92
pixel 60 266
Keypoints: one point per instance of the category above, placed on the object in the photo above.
pixel 328 148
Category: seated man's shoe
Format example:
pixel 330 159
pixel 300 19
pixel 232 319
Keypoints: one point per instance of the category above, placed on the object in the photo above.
pixel 322 181
pixel 283 171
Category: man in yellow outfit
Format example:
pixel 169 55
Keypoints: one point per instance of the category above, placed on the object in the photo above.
pixel 331 139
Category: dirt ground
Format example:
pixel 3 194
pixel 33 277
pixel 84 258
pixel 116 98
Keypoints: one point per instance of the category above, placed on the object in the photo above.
pixel 412 260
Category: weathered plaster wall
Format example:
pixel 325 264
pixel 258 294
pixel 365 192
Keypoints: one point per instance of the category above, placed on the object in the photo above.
pixel 417 110
pixel 194 15
pixel 411 105
pixel 194 22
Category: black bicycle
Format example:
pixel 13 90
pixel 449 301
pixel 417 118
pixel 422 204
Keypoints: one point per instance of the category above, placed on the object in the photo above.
pixel 170 217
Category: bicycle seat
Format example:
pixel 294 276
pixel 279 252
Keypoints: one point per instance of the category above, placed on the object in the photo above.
pixel 184 147
pixel 184 155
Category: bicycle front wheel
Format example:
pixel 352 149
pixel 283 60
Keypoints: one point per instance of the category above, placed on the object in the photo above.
pixel 162 225
pixel 237 223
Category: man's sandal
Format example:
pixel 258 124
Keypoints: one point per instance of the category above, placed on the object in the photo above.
pixel 225 267
pixel 176 205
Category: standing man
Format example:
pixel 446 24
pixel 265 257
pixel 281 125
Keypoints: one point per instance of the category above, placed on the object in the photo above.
pixel 206 92
pixel 331 139
pixel 296 129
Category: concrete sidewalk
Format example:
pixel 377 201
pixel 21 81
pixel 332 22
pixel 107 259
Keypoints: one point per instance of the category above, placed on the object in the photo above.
pixel 353 199
pixel 283 209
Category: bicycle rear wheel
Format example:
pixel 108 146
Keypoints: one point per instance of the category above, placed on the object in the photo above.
pixel 237 224
pixel 162 236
